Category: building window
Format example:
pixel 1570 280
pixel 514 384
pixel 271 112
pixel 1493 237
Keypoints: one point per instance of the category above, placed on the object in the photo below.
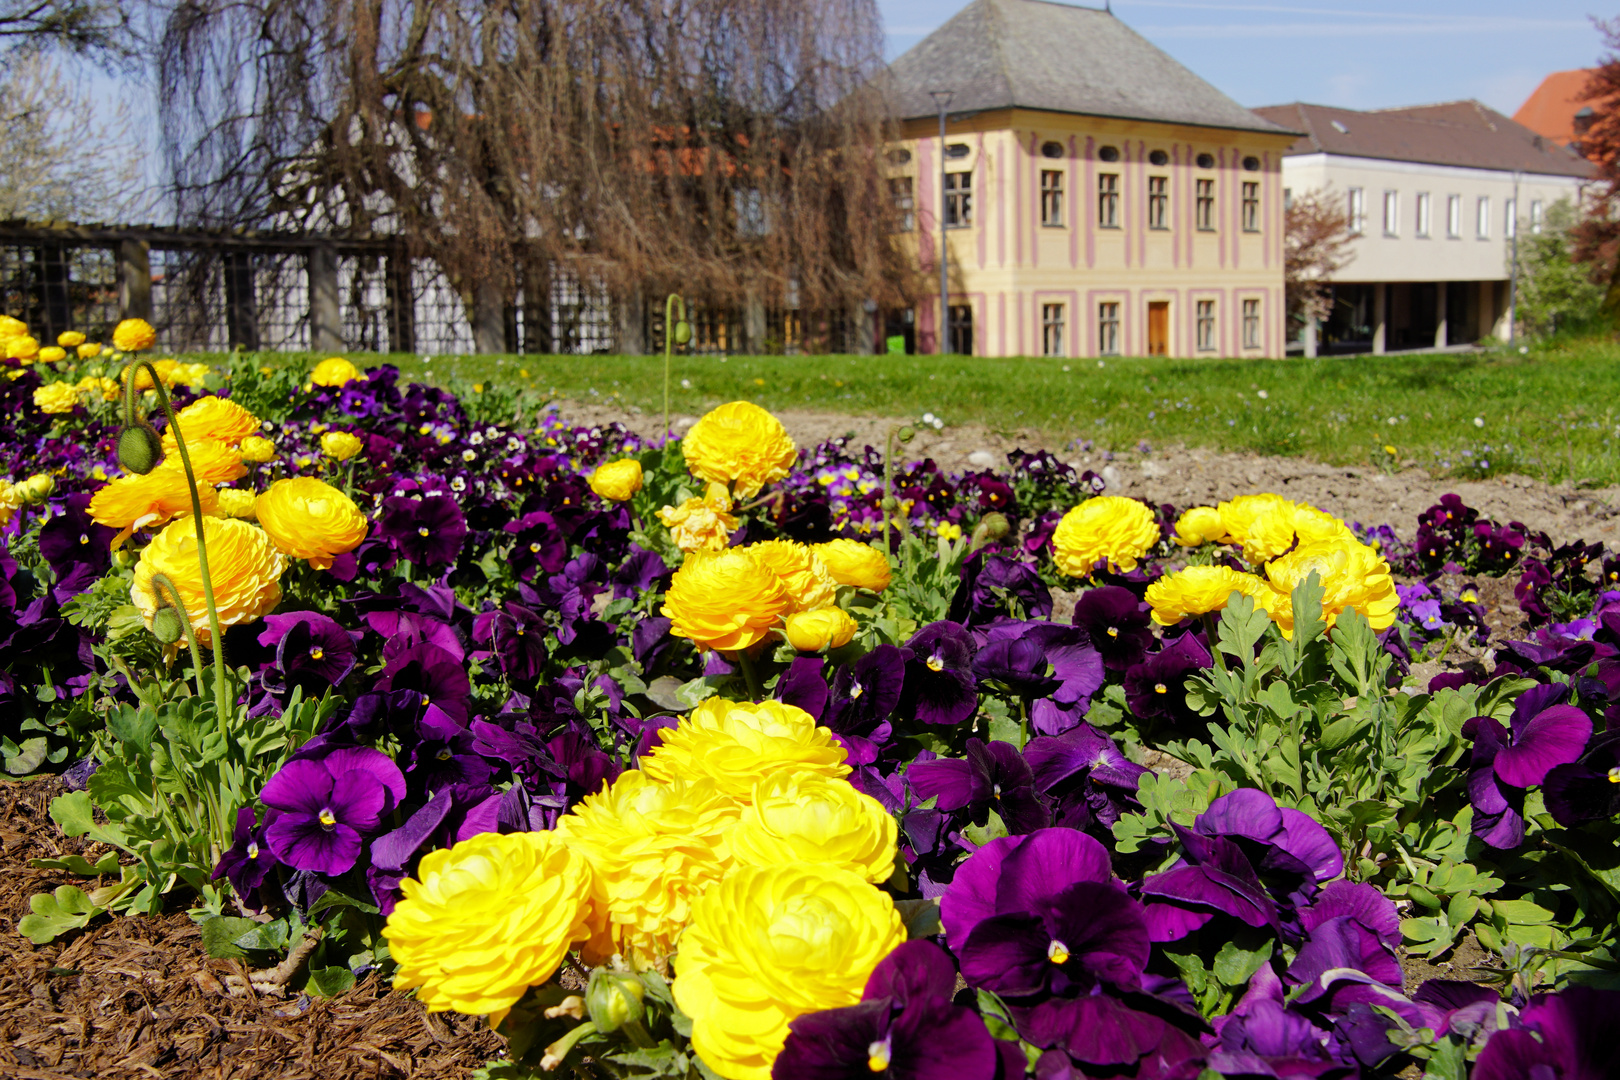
pixel 1251 206
pixel 753 219
pixel 1108 329
pixel 958 200
pixel 905 205
pixel 1422 224
pixel 1482 217
pixel 1392 213
pixel 1158 202
pixel 957 150
pixel 1288 198
pixel 1510 218
pixel 1108 153
pixel 1108 200
pixel 1051 196
pixel 1357 211
pixel 1535 215
pixel 1206 325
pixel 1052 329
pixel 1051 149
pixel 1205 218
pixel 961 326
pixel 1251 324
pixel 1454 216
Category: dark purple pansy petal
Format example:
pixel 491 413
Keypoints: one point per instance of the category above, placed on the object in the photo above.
pixel 1587 790
pixel 1341 943
pixel 358 799
pixel 1117 623
pixel 304 842
pixel 1554 736
pixel 915 970
pixel 803 686
pixel 298 787
pixel 974 890
pixel 1359 901
pixel 1156 688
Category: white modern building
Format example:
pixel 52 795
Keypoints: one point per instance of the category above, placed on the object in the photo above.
pixel 1434 195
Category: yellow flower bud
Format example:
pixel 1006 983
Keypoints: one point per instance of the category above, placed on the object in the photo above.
pixel 88 351
pixel 133 335
pixel 853 563
pixel 340 445
pixel 70 339
pixel 617 481
pixel 823 628
pixel 50 354
pixel 258 449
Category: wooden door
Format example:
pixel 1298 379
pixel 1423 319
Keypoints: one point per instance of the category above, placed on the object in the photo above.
pixel 1159 328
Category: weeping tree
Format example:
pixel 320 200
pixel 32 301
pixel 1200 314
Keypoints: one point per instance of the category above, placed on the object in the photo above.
pixel 727 149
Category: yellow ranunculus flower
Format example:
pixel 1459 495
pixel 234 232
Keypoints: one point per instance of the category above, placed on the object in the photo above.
pixel 809 584
pixel 11 500
pixel 1199 526
pixel 1263 525
pixel 56 397
pixel 851 562
pixel 242 562
pixel 134 502
pixel 258 449
pixel 10 327
pixel 99 384
pixel 310 519
pixel 739 444
pixel 334 371
pixel 70 339
pixel 212 462
pixel 22 348
pixel 704 524
pixel 88 351
pixel 236 503
pixel 1353 576
pixel 214 419
pixel 807 818
pixel 617 481
pixel 143 377
pixel 50 354
pixel 133 335
pixel 37 488
pixel 1107 528
pixel 191 375
pixel 341 445
pixel 772 943
pixel 1199 590
pixel 490 917
pixel 736 743
pixel 823 628
pixel 1311 525
pixel 727 600
pixel 655 847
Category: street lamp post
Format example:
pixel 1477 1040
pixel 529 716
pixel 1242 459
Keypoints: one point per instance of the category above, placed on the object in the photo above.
pixel 942 101
pixel 1513 278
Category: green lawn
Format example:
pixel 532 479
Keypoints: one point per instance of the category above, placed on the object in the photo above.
pixel 1551 413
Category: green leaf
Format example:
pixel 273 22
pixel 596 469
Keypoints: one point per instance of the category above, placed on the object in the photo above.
pixel 1242 625
pixel 219 936
pixel 330 981
pixel 54 914
pixel 921 917
pixel 78 864
pixel 1235 962
pixel 332 898
pixel 270 936
pixel 74 813
pixel 1308 624
pixel 1341 731
pixel 133 727
pixel 1522 911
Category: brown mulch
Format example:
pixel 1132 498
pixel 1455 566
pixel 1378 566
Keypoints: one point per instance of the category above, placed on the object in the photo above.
pixel 129 998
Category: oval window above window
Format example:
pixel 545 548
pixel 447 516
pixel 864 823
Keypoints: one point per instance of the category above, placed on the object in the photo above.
pixel 1251 164
pixel 899 157
pixel 957 150
pixel 1051 149
pixel 1108 153
pixel 1206 161
pixel 1159 157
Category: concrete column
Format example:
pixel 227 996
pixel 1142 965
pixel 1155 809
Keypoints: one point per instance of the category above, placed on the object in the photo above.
pixel 632 337
pixel 325 312
pixel 753 321
pixel 1440 315
pixel 134 280
pixel 1380 315
pixel 1310 336
pixel 488 318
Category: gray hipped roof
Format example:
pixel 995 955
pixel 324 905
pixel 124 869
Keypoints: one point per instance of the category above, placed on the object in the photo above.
pixel 1033 54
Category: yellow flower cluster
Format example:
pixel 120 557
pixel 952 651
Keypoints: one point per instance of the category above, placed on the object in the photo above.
pixel 704 524
pixel 740 445
pixel 1107 529
pixel 1287 541
pixel 734 599
pixel 739 842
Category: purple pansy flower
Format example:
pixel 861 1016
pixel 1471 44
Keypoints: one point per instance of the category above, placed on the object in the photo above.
pixel 992 584
pixel 429 532
pixel 78 549
pixel 1102 1036
pixel 436 676
pixel 1588 789
pixel 1564 1036
pixel 1117 623
pixel 905 1027
pixel 1505 761
pixel 1086 776
pixel 249 859
pixel 939 685
pixel 326 807
pixel 989 776
pixel 1156 688
pixel 313 652
pixel 516 635
pixel 1290 851
pixel 1016 873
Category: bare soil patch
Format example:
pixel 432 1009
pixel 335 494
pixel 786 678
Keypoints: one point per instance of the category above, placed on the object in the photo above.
pixel 1197 476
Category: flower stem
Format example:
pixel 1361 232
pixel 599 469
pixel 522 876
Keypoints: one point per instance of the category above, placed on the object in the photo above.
pixel 161 581
pixel 755 689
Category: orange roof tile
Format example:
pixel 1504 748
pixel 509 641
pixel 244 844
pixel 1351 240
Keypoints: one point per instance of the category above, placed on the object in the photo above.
pixel 1550 110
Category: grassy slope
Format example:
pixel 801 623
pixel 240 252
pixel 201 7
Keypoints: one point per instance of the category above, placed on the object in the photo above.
pixel 1554 413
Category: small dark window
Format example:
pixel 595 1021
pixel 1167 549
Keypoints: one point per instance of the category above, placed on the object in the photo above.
pixel 1251 164
pixel 957 150
pixel 1206 161
pixel 1159 157
pixel 899 157
pixel 1108 153
pixel 1052 149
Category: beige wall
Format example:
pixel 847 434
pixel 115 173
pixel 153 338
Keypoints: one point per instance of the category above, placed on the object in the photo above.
pixel 1007 264
pixel 1407 256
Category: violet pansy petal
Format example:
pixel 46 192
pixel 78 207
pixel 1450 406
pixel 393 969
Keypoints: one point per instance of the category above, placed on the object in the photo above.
pixel 299 786
pixel 1170 922
pixel 392 850
pixel 358 800
pixel 303 843
pixel 954 782
pixel 1358 901
pixel 1555 736
pixel 1048 863
pixel 1244 812
pixel 1305 838
pixel 916 969
pixel 378 764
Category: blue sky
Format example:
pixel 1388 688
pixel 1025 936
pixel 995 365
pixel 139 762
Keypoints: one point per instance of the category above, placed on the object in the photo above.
pixel 1358 55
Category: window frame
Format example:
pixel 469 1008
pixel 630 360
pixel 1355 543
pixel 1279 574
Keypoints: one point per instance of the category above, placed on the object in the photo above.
pixel 1392 213
pixel 1538 216
pixel 1423 207
pixel 1482 217
pixel 959 199
pixel 1357 210
pixel 1204 204
pixel 1510 218
pixel 1204 324
pixel 1251 206
pixel 1108 200
pixel 1052 199
pixel 1054 325
pixel 1454 203
pixel 903 199
pixel 1108 335
pixel 1159 203
pixel 1251 322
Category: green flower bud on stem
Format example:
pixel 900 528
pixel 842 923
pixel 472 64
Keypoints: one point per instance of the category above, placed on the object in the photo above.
pixel 992 527
pixel 614 999
pixel 166 625
pixel 683 332
pixel 139 449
